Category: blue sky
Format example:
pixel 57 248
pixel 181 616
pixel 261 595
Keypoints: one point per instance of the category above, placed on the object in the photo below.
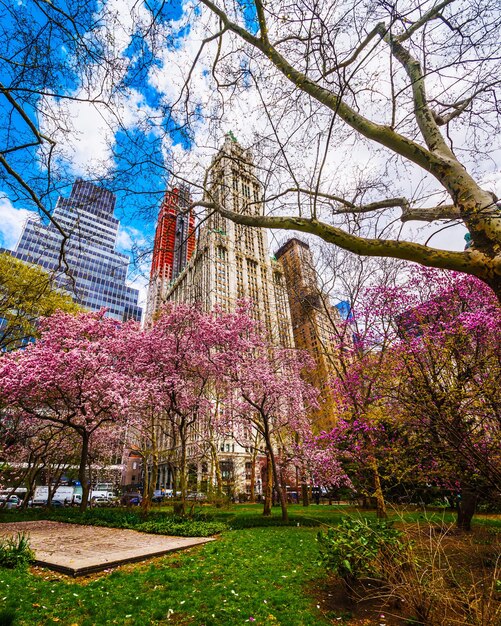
pixel 134 163
pixel 134 151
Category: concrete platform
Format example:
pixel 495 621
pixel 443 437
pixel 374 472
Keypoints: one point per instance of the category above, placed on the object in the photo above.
pixel 77 550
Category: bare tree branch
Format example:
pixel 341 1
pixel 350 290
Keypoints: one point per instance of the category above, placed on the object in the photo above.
pixel 469 261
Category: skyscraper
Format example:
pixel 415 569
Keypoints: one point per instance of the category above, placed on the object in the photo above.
pixel 174 245
pixel 231 261
pixel 86 264
pixel 316 324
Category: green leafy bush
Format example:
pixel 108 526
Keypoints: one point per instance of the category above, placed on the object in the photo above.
pixel 492 506
pixel 360 547
pixel 182 527
pixel 16 552
pixel 197 525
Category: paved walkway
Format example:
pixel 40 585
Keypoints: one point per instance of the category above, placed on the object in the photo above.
pixel 78 550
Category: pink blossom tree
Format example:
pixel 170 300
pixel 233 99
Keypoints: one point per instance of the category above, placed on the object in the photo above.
pixel 426 382
pixel 71 377
pixel 178 367
pixel 448 356
pixel 30 448
pixel 271 397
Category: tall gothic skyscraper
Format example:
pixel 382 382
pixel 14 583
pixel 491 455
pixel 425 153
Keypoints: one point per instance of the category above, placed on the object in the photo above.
pixel 232 261
pixel 88 266
pixel 174 245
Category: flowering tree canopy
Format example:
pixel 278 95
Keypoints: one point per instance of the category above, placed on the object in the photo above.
pixel 427 381
pixel 70 377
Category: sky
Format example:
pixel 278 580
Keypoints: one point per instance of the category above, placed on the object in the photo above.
pixel 136 131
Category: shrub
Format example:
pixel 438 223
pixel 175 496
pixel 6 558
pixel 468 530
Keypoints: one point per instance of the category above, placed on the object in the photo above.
pixel 182 527
pixel 197 525
pixel 360 547
pixel 493 506
pixel 16 552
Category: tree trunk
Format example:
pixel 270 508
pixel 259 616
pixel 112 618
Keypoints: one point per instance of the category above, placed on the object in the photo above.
pixel 150 481
pixel 253 473
pixel 278 486
pixel 378 492
pixel 268 494
pixel 30 486
pixel 183 474
pixel 82 473
pixel 466 509
pixel 146 483
pixel 153 475
pixel 217 470
pixel 49 486
pixel 304 494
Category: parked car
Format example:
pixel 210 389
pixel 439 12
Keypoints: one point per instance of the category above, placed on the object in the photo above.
pixel 57 504
pixel 10 502
pixel 196 495
pixel 100 501
pixel 158 499
pixel 38 502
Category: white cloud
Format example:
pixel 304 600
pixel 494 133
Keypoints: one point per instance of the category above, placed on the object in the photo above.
pixel 124 240
pixel 11 223
pixel 129 237
pixel 83 126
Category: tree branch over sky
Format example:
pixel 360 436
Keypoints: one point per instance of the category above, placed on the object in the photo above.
pixel 361 117
pixel 405 39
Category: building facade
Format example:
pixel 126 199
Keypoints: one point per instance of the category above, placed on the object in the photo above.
pixel 316 324
pixel 232 262
pixel 87 266
pixel 173 247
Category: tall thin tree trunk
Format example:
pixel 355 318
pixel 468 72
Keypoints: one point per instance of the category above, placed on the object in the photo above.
pixel 183 473
pixel 146 481
pixel 30 485
pixel 153 476
pixel 381 512
pixel 217 469
pixel 304 493
pixel 82 471
pixel 278 486
pixel 268 493
pixel 253 473
pixel 49 485
pixel 151 472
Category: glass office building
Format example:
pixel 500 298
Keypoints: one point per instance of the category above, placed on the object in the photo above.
pixel 87 266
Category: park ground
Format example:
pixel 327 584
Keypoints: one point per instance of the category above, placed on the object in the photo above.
pixel 258 572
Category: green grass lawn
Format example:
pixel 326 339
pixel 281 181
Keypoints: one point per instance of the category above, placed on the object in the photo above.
pixel 260 574
pixel 251 574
